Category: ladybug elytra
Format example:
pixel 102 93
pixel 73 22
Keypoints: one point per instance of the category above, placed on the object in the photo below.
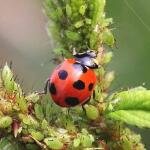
pixel 73 81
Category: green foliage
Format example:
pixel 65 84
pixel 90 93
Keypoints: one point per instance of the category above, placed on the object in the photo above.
pixel 39 122
pixel 32 118
pixel 128 141
pixel 74 21
pixel 39 111
pixel 5 121
pixel 9 143
pixel 83 140
pixel 91 112
pixel 39 136
pixel 53 143
pixel 131 107
pixel 34 122
pixel 137 117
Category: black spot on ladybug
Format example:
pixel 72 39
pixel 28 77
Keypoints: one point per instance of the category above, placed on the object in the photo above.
pixel 52 88
pixel 79 85
pixel 72 101
pixel 80 67
pixel 62 74
pixel 90 87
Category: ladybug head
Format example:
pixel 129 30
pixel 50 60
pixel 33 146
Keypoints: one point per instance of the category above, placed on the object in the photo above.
pixel 91 53
pixel 87 59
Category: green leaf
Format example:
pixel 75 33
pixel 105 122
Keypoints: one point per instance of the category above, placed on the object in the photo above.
pixel 76 142
pixel 91 112
pixel 5 121
pixel 79 24
pixel 68 10
pixel 93 39
pixel 44 124
pixel 9 143
pixel 106 22
pixel 88 21
pixel 3 143
pixel 107 57
pixel 60 51
pixel 21 103
pixel 108 38
pixel 82 9
pixel 98 11
pixel 137 117
pixel 134 99
pixel 59 13
pixel 53 143
pixel 29 120
pixel 68 123
pixel 86 141
pixel 33 97
pixel 73 35
pixel 7 77
pixel 37 135
pixel 48 111
pixel 39 111
pixel 131 107
pixel 7 73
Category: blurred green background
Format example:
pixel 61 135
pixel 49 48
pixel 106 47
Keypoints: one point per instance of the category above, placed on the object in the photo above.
pixel 132 32
pixel 24 41
pixel 131 60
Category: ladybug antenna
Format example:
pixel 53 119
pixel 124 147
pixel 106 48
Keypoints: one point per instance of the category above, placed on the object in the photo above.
pixel 62 54
pixel 88 46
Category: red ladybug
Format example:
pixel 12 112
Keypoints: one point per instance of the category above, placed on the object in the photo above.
pixel 73 81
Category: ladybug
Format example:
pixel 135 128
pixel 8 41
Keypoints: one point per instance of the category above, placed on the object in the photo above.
pixel 73 81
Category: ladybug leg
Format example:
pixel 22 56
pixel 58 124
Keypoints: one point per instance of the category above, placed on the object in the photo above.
pixel 45 88
pixel 84 110
pixel 86 101
pixel 68 111
pixel 94 94
pixel 94 97
pixel 46 85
